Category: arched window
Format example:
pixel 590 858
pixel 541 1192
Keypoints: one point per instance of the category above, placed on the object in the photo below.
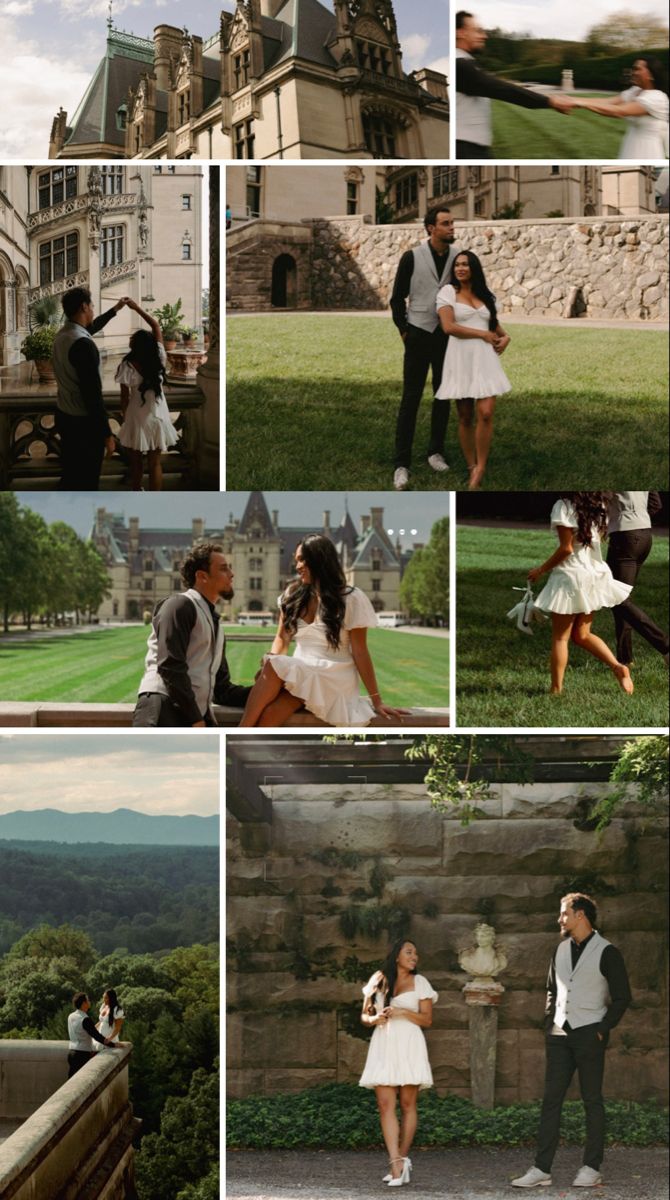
pixel 381 135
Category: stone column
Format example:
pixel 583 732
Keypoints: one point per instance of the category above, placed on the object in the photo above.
pixel 567 80
pixel 208 373
pixel 482 1001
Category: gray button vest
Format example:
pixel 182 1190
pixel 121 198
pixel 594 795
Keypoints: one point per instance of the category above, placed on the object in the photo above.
pixel 473 115
pixel 203 656
pixel 70 399
pixel 425 285
pixel 582 995
pixel 79 1038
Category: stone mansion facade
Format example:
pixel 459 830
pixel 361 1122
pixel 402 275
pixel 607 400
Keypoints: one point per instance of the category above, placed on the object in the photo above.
pixel 143 564
pixel 278 79
pixel 116 229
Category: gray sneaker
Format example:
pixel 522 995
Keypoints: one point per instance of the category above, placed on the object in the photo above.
pixel 533 1178
pixel 587 1177
pixel 436 461
pixel 400 479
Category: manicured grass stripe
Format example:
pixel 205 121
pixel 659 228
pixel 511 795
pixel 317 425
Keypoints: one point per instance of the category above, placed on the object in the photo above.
pixel 588 409
pixel 105 666
pixel 540 133
pixel 503 675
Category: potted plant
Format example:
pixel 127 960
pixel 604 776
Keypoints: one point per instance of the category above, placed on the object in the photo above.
pixel 45 319
pixel 169 318
pixel 189 335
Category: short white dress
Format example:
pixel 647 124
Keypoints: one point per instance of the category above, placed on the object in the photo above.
pixel 583 583
pixel 103 1026
pixel 646 137
pixel 146 426
pixel 471 366
pixel 326 679
pixel 397 1054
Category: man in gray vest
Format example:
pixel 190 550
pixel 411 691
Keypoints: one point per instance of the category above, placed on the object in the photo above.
pixel 185 670
pixel 587 994
pixel 82 1033
pixel 420 275
pixel 475 89
pixel 81 420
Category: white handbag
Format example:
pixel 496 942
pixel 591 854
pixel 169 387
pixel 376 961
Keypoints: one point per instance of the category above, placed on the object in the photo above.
pixel 525 612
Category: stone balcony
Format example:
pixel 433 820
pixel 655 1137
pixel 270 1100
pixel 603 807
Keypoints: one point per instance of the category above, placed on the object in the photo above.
pixel 29 447
pixel 60 1137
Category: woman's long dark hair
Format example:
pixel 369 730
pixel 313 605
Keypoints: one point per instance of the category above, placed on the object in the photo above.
pixel 328 579
pixel 143 355
pixel 658 71
pixel 113 1004
pixel 389 970
pixel 478 285
pixel 592 509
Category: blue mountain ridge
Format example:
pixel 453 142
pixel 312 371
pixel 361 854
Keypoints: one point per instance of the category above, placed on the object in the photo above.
pixel 122 826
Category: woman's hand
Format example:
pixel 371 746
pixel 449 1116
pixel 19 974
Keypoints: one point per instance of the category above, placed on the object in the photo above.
pixel 534 574
pixel 491 337
pixel 391 714
pixel 502 343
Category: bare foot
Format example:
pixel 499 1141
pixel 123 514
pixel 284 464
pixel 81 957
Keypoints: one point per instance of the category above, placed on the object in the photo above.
pixel 476 476
pixel 624 680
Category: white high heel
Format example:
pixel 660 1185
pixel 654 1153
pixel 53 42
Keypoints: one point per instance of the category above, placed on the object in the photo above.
pixel 410 1168
pixel 404 1175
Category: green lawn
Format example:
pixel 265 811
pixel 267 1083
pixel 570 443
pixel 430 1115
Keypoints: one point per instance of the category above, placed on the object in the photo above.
pixel 503 675
pixel 105 666
pixel 312 404
pixel 541 133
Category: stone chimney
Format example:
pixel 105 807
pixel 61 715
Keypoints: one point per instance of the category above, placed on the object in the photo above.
pixel 270 8
pixel 433 82
pixel 365 524
pixel 377 515
pixel 133 535
pixel 326 520
pixel 197 528
pixel 275 518
pixel 167 46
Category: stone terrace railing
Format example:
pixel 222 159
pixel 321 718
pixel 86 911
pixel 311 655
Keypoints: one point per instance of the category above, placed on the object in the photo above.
pixel 81 1128
pixel 29 447
pixel 35 714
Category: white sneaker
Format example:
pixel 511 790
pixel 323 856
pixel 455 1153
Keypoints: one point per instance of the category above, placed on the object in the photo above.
pixel 533 1178
pixel 587 1177
pixel 436 461
pixel 400 479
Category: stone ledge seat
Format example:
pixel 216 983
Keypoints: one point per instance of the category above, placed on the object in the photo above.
pixel 34 713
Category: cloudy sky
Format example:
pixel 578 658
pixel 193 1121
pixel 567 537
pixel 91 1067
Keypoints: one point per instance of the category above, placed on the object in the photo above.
pixel 50 49
pixel 171 775
pixel 409 514
pixel 569 19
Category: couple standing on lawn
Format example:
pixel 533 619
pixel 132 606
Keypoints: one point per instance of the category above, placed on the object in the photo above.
pixel 186 671
pixel 448 322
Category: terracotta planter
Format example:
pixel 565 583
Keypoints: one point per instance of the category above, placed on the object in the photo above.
pixel 45 370
pixel 169 343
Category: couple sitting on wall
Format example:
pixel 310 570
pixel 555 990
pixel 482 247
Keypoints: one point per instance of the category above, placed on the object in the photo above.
pixel 186 670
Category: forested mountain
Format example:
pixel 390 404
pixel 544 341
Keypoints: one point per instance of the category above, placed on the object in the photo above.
pixel 119 827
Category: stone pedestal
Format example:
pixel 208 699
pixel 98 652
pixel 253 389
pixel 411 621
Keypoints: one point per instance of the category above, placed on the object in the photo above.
pixel 482 1000
pixel 567 80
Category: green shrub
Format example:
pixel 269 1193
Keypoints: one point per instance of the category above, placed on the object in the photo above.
pixel 602 72
pixel 344 1117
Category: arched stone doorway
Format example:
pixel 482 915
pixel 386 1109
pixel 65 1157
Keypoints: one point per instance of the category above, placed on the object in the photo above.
pixel 255 606
pixel 284 282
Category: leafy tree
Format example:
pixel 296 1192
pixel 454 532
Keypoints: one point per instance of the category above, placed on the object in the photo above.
pixel 642 763
pixel 424 588
pixel 149 1003
pixel 628 30
pixel 44 942
pixel 187 1146
pixel 127 971
pixel 194 972
pixel 207 1189
pixel 35 990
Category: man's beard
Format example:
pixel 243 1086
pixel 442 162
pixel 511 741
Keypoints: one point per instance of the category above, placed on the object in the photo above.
pixel 226 595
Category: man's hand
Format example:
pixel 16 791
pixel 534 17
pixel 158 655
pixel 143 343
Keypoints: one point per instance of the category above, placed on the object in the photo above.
pixel 110 446
pixel 198 725
pixel 123 302
pixel 562 104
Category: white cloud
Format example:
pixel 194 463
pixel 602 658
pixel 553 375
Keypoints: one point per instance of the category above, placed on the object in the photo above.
pixel 441 65
pixel 18 8
pixel 414 50
pixel 33 86
pixel 571 19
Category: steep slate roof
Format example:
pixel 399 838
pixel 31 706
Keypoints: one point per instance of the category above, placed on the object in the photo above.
pixel 375 543
pixel 126 58
pixel 256 511
pixel 307 27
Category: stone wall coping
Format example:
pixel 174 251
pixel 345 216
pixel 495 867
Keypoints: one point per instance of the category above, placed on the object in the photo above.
pixel 31 1050
pixel 41 1132
pixel 486 222
pixel 36 713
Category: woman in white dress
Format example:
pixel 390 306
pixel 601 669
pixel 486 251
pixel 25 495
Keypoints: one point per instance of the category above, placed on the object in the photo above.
pixel 472 374
pixel 329 622
pixel 398 1005
pixel 110 1017
pixel 579 584
pixel 147 426
pixel 644 106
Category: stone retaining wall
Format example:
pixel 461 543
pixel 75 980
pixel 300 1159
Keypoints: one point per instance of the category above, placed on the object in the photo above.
pixel 593 267
pixel 360 857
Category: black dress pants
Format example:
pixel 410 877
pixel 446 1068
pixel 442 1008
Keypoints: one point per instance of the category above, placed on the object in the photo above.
pixel 155 711
pixel 472 150
pixel 423 352
pixel 82 449
pixel 580 1050
pixel 78 1059
pixel 628 550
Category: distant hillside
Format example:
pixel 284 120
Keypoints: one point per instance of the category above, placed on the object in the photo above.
pixel 118 827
